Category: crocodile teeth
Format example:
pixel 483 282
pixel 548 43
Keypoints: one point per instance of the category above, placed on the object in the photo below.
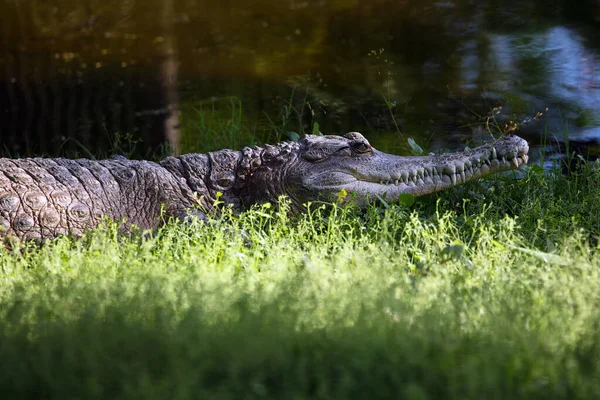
pixel 404 176
pixel 450 169
pixel 515 162
pixel 503 160
pixel 494 154
pixel 462 176
pixel 525 158
pixel 453 177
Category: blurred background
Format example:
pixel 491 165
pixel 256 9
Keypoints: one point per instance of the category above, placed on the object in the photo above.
pixel 155 77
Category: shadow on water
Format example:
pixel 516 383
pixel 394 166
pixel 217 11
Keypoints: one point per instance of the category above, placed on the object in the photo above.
pixel 94 77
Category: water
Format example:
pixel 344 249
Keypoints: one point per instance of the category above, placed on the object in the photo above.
pixel 100 76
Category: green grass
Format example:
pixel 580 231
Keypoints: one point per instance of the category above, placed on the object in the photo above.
pixel 487 291
pixel 214 124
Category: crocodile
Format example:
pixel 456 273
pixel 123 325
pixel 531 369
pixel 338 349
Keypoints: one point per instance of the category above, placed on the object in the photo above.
pixel 41 198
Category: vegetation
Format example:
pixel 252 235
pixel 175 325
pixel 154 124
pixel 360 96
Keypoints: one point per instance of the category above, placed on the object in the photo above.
pixel 490 290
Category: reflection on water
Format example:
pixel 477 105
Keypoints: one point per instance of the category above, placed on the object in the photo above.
pixel 98 76
pixel 553 68
pixel 568 73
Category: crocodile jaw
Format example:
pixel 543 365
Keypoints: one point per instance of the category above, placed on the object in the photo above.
pixel 387 176
pixel 423 181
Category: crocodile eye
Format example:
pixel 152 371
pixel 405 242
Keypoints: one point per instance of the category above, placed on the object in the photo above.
pixel 361 147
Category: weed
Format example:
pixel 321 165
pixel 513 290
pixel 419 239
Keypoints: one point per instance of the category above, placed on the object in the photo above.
pixel 450 299
pixel 215 124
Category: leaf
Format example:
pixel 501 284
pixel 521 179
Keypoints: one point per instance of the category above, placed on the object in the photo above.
pixel 315 128
pixel 417 150
pixel 499 245
pixel 538 170
pixel 293 135
pixel 453 251
pixel 385 204
pixel 546 257
pixel 406 199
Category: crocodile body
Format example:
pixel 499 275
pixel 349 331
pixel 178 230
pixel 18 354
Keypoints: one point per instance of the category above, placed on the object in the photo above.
pixel 46 197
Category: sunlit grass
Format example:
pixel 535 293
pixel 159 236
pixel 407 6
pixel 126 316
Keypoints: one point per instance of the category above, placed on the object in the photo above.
pixel 459 297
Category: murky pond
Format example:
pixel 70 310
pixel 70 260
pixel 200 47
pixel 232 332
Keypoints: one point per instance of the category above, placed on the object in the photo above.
pixel 93 76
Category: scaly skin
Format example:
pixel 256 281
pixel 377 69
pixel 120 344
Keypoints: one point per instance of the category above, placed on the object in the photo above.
pixel 43 198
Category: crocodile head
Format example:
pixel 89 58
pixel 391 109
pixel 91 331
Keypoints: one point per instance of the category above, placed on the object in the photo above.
pixel 325 166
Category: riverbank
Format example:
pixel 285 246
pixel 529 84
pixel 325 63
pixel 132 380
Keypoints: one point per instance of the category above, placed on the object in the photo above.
pixel 489 290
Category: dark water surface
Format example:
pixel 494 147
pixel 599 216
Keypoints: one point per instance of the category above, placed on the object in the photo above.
pixel 95 76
